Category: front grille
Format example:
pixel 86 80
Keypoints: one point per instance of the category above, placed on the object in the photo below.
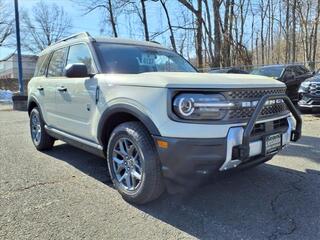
pixel 261 128
pixel 243 113
pixel 314 89
pixel 267 111
pixel 253 93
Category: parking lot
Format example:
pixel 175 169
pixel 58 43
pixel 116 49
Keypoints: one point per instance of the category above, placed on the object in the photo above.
pixel 63 194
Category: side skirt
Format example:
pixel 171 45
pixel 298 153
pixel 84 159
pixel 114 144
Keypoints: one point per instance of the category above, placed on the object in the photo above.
pixel 76 141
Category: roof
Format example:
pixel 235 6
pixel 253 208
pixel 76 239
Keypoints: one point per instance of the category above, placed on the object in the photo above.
pixel 86 37
pixel 281 65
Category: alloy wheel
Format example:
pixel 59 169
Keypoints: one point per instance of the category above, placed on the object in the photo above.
pixel 127 164
pixel 36 128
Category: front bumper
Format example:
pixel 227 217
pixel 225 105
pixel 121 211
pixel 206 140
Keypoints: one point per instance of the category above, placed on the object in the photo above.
pixel 309 101
pixel 189 161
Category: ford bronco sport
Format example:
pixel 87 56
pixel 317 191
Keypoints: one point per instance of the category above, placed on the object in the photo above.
pixel 157 121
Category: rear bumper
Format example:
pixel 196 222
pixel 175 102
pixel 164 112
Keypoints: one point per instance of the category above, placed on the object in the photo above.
pixel 189 161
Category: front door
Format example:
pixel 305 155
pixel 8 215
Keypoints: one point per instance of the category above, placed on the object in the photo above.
pixel 53 75
pixel 76 97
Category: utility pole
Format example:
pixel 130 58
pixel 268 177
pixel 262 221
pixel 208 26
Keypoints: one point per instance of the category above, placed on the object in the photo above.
pixel 20 76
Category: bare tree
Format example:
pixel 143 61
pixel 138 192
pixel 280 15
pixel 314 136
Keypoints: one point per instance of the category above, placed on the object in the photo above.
pixel 198 13
pixel 109 10
pixel 217 33
pixel 6 23
pixel 209 31
pixel 48 24
pixel 144 20
pixel 172 38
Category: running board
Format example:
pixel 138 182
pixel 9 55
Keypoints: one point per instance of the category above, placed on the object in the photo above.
pixel 76 141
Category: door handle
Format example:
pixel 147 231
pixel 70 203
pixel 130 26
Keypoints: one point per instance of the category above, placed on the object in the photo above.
pixel 40 88
pixel 62 89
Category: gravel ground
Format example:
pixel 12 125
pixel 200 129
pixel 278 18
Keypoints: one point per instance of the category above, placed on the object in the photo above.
pixel 63 194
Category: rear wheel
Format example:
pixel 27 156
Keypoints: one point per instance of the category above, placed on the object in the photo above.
pixel 133 163
pixel 40 138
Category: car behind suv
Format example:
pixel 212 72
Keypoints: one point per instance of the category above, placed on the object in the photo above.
pixel 310 94
pixel 156 120
pixel 292 75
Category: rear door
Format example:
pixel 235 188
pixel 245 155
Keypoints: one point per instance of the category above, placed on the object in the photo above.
pixel 41 87
pixel 76 105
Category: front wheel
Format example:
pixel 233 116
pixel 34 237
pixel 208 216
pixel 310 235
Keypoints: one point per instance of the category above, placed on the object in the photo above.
pixel 134 164
pixel 40 138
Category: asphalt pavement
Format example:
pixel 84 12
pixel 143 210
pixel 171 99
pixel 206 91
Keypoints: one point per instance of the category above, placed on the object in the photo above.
pixel 64 194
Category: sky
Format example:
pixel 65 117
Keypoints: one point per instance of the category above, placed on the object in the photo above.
pixel 91 22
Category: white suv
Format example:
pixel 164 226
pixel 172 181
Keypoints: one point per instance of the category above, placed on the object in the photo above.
pixel 157 121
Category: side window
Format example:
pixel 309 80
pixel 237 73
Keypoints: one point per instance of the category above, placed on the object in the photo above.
pixel 304 70
pixel 289 74
pixel 41 66
pixel 298 70
pixel 80 53
pixel 57 63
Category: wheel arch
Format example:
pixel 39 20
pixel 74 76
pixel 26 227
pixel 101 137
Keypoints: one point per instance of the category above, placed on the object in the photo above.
pixel 32 103
pixel 120 113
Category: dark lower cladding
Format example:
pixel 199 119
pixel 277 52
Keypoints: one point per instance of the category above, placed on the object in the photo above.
pixel 189 162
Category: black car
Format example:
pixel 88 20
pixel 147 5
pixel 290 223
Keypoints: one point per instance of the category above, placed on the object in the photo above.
pixel 228 70
pixel 291 75
pixel 310 93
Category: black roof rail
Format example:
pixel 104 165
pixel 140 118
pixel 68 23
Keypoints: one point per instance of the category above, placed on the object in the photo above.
pixel 74 36
pixel 152 41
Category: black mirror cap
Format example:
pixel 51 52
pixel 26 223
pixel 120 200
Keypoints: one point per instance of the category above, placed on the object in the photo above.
pixel 76 70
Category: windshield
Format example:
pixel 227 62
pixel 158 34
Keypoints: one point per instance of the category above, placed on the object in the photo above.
pixel 274 72
pixel 132 59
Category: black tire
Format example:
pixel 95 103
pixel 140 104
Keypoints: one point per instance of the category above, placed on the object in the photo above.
pixel 151 183
pixel 45 142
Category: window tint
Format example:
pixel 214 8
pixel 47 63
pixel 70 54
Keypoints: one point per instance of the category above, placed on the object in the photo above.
pixel 289 73
pixel 80 54
pixel 304 70
pixel 57 63
pixel 41 66
pixel 297 70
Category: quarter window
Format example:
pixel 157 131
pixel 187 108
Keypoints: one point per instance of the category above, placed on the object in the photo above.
pixel 41 66
pixel 57 63
pixel 80 53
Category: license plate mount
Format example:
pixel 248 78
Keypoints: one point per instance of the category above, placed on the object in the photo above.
pixel 272 143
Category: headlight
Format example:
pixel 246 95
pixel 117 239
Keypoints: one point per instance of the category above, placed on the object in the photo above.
pixel 201 106
pixel 304 87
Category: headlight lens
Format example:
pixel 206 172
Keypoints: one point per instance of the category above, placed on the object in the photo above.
pixel 201 106
pixel 304 87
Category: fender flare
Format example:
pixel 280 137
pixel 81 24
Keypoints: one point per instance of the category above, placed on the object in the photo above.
pixel 31 100
pixel 129 109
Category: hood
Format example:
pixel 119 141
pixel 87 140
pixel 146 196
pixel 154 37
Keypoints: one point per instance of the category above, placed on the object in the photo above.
pixel 315 79
pixel 192 80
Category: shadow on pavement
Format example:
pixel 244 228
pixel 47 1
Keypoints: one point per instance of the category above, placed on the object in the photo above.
pixel 307 147
pixel 266 202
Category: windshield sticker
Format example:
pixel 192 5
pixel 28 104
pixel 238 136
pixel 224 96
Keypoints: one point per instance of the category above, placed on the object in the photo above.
pixel 147 60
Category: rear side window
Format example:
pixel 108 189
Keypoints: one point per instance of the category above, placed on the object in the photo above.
pixel 304 70
pixel 57 63
pixel 80 53
pixel 41 66
pixel 297 70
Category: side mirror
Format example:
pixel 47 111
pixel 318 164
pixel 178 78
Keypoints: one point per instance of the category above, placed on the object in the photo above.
pixel 76 70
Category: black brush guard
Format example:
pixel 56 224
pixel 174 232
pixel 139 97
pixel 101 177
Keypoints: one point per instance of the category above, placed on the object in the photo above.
pixel 244 149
